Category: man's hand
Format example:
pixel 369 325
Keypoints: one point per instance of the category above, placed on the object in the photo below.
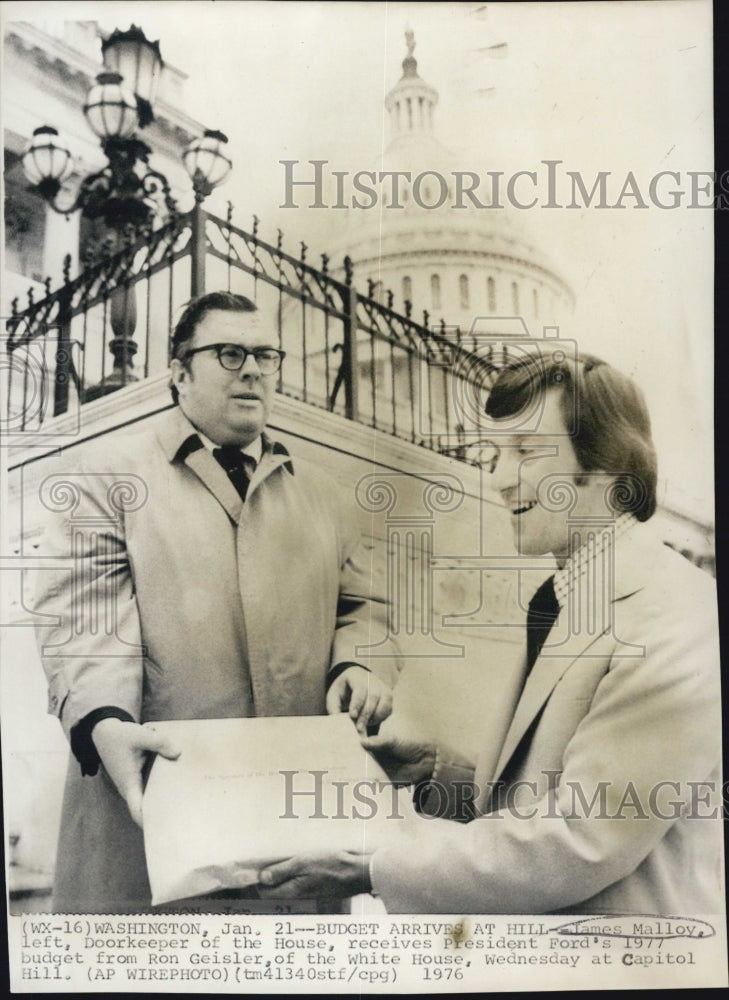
pixel 317 875
pixel 123 748
pixel 364 695
pixel 407 761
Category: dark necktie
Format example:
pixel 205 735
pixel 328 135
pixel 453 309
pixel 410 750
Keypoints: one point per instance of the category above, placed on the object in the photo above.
pixel 543 610
pixel 234 462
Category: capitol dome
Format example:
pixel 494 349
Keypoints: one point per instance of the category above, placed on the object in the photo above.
pixel 454 255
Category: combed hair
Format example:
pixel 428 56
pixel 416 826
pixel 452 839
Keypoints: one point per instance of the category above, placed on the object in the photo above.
pixel 194 312
pixel 612 429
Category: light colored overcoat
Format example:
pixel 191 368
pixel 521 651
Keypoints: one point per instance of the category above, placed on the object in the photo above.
pixel 605 797
pixel 182 602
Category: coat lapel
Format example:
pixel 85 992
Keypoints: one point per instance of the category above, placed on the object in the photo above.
pixel 545 673
pixel 274 456
pixel 174 433
pixel 213 476
pixel 565 644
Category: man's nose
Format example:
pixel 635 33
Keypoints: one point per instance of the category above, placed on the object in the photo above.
pixel 249 368
pixel 506 473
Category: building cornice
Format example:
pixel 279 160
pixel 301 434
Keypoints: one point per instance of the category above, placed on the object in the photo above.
pixel 408 256
pixel 59 62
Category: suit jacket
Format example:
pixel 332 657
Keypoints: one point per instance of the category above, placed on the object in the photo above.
pixel 185 603
pixel 600 801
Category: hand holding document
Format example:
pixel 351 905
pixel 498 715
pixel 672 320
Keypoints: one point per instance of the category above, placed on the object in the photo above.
pixel 245 793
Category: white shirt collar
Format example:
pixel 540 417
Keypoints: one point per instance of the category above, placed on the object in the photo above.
pixel 254 449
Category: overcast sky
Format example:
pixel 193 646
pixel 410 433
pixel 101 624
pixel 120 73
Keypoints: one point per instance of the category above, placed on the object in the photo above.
pixel 613 87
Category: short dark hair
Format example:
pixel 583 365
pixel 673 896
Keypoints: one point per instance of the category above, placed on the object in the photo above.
pixel 195 311
pixel 604 409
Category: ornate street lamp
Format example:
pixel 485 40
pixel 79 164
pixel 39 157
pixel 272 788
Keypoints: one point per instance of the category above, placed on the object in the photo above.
pixel 127 194
pixel 124 192
pixel 207 163
pixel 46 162
pixel 139 62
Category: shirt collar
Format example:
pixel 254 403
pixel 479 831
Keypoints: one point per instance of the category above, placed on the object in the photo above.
pixel 254 449
pixel 583 558
pixel 178 437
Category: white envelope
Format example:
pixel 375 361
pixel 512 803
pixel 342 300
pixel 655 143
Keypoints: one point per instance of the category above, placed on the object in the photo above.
pixel 247 792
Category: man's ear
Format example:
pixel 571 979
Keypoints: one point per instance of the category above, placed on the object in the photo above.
pixel 179 373
pixel 600 489
pixel 595 477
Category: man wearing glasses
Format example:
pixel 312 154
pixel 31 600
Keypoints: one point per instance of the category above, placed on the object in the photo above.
pixel 236 580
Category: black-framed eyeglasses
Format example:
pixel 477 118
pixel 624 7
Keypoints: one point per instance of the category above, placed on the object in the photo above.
pixel 486 453
pixel 233 356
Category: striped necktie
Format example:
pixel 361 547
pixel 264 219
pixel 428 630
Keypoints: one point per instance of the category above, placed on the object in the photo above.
pixel 234 462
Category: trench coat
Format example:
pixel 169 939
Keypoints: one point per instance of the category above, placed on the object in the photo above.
pixel 182 602
pixel 605 796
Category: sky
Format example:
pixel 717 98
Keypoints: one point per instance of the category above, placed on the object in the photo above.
pixel 616 87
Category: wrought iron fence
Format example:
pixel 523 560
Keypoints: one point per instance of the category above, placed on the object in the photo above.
pixel 346 351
